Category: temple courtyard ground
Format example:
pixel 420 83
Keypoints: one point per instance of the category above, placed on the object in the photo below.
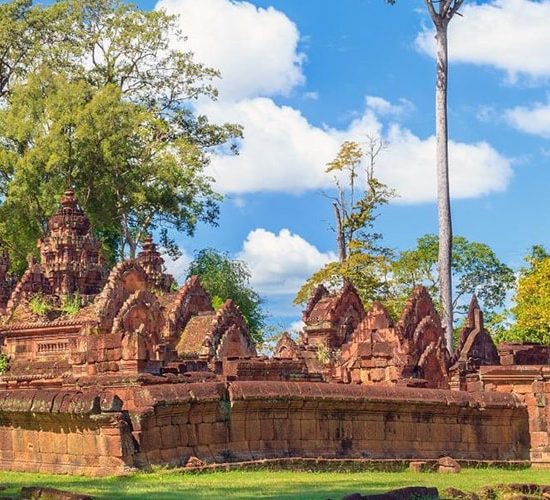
pixel 170 484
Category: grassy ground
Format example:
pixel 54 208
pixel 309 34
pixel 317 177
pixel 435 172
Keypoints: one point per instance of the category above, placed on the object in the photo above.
pixel 265 483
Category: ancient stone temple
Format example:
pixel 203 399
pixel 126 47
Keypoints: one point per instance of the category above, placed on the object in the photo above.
pixel 330 319
pixel 153 264
pixel 70 256
pixel 476 348
pixel 7 282
pixel 122 326
pixel 114 370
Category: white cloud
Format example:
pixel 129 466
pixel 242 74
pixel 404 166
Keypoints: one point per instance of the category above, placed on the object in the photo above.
pixel 178 268
pixel 511 35
pixel 296 326
pixel 255 49
pixel 533 120
pixel 409 166
pixel 382 107
pixel 280 263
pixel 312 96
pixel 282 151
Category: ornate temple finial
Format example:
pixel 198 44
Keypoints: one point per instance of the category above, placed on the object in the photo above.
pixel 148 245
pixel 68 200
pixel 70 256
pixel 475 314
pixel 152 262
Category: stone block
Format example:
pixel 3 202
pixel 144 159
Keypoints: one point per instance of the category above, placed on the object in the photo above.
pixel 170 436
pixel 448 465
pixel 539 439
pixel 418 466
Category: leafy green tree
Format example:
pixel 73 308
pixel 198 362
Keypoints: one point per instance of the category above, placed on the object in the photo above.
pixel 359 196
pixel 26 34
pixel 529 318
pixel 112 42
pixel 109 115
pixel 226 278
pixel 476 269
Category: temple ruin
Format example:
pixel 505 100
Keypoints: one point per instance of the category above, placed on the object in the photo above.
pixel 112 370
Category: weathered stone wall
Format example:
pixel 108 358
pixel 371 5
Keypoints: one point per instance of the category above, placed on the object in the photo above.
pixel 54 431
pixel 102 433
pixel 277 419
pixel 530 384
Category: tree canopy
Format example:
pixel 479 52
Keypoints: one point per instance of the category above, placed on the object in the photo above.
pixel 359 195
pixel 226 278
pixel 528 320
pixel 107 113
pixel 476 269
pixel 27 31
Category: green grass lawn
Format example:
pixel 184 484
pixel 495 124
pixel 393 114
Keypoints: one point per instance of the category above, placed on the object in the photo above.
pixel 265 483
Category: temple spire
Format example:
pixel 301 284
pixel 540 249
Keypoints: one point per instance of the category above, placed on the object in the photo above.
pixel 70 256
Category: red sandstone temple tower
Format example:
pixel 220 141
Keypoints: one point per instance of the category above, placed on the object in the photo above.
pixel 7 282
pixel 70 256
pixel 153 264
pixel 126 324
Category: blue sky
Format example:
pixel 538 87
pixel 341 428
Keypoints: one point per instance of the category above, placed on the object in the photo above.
pixel 297 75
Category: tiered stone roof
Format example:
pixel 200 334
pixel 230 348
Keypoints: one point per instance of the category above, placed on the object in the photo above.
pixel 70 256
pixel 153 264
pixel 218 334
pixel 7 282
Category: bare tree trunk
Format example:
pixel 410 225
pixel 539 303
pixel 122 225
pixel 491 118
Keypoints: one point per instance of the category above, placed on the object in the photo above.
pixel 340 235
pixel 132 245
pixel 443 195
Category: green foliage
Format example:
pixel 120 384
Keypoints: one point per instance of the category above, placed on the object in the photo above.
pixel 42 305
pixel 532 302
pixel 4 363
pixel 26 34
pixel 217 302
pixel 359 196
pixel 476 269
pixel 225 278
pixel 71 304
pixel 39 305
pixel 323 355
pixel 363 262
pixel 116 128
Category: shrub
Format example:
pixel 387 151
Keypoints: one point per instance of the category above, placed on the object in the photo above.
pixel 39 305
pixel 71 304
pixel 4 363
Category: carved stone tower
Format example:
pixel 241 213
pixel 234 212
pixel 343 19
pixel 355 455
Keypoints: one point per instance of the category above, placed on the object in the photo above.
pixel 7 282
pixel 70 256
pixel 150 259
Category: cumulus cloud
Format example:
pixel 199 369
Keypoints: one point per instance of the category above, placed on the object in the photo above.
pixel 383 107
pixel 409 166
pixel 511 35
pixel 296 326
pixel 282 151
pixel 280 263
pixel 178 267
pixel 255 49
pixel 532 120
